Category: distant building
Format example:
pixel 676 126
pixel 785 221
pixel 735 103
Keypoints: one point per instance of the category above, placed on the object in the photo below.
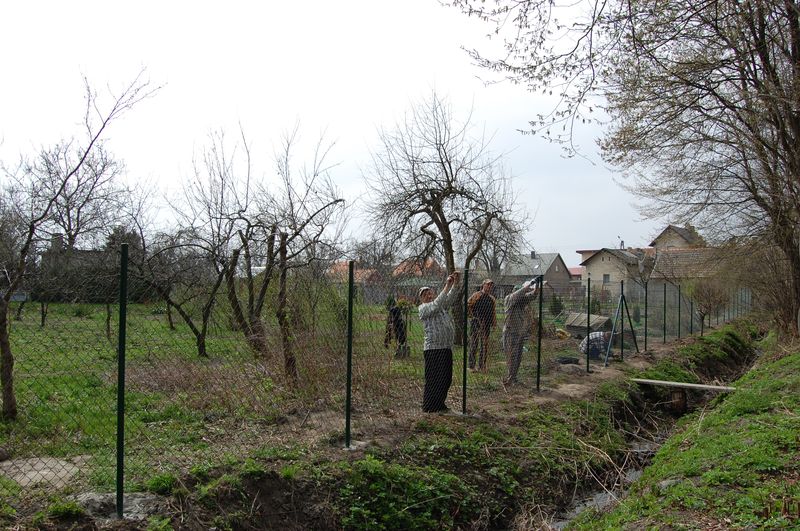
pixel 674 237
pixel 550 266
pixel 413 267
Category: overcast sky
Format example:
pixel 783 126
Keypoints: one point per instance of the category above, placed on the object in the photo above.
pixel 344 68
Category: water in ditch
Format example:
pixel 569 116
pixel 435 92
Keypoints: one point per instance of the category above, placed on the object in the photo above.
pixel 603 498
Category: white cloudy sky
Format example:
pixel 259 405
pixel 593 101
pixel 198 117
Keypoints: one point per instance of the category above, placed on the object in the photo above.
pixel 344 67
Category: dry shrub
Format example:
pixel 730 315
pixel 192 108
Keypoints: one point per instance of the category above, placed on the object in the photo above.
pixel 531 516
pixel 230 386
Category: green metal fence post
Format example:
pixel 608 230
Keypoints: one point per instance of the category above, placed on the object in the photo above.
pixel 645 315
pixel 665 312
pixel 691 317
pixel 539 336
pixel 679 311
pixel 588 317
pixel 123 315
pixel 349 391
pixel 621 320
pixel 465 342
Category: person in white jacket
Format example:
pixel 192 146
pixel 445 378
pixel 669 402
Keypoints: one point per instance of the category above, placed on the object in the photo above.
pixel 434 312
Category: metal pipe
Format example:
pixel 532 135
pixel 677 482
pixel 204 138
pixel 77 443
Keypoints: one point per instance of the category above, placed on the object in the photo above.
pixel 645 315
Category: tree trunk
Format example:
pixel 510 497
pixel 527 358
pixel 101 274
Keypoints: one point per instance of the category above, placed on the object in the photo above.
pixel 257 336
pixel 289 360
pixel 108 320
pixel 9 411
pixel 43 307
pixel 790 244
pixel 18 315
pixel 201 345
pixel 170 321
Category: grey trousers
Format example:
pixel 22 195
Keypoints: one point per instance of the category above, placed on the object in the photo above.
pixel 479 337
pixel 512 346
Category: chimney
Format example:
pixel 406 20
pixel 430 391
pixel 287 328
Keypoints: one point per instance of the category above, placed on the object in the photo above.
pixel 533 255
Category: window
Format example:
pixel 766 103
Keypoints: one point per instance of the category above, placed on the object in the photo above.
pixel 606 278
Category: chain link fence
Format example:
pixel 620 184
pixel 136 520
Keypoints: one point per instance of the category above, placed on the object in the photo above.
pixel 337 354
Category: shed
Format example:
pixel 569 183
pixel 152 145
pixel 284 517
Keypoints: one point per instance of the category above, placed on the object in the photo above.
pixel 576 323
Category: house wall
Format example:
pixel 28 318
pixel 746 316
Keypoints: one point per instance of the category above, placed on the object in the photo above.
pixel 605 264
pixel 670 240
pixel 558 276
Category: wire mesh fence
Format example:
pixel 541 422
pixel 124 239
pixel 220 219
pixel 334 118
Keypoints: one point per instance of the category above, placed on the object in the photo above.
pixel 329 355
pixel 63 335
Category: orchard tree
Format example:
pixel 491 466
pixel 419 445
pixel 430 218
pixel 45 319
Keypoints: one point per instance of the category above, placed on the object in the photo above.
pixel 701 100
pixel 433 184
pixel 437 189
pixel 248 232
pixel 83 210
pixel 31 202
pixel 710 295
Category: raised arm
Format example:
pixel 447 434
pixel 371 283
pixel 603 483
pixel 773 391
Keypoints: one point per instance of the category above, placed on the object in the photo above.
pixel 524 294
pixel 442 301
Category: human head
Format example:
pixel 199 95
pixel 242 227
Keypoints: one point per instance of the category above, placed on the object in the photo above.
pixel 425 294
pixel 487 285
pixel 606 336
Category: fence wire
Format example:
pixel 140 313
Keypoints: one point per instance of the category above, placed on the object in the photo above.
pixel 212 375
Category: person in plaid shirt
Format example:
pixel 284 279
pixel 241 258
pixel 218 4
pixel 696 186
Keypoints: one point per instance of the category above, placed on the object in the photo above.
pixel 596 342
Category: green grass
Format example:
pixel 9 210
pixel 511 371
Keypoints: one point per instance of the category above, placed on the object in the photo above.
pixel 735 464
pixel 185 413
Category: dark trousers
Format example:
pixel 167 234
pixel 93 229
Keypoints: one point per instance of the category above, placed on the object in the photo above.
pixel 438 377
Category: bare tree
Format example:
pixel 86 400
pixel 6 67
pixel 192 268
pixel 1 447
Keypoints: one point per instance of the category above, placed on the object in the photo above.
pixel 83 210
pixel 709 295
pixel 431 182
pixel 246 234
pixel 434 186
pixel 308 211
pixel 30 201
pixel 375 252
pixel 500 247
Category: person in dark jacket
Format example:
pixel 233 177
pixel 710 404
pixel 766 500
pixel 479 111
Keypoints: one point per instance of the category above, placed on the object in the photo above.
pixel 396 328
pixel 481 308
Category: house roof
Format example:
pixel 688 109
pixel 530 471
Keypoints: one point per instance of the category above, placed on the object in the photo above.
pixel 340 271
pixel 688 233
pixel 576 271
pixel 626 256
pixel 416 268
pixel 524 265
pixel 697 262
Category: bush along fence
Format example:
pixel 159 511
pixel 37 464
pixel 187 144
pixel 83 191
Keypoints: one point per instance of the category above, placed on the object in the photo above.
pixel 142 370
